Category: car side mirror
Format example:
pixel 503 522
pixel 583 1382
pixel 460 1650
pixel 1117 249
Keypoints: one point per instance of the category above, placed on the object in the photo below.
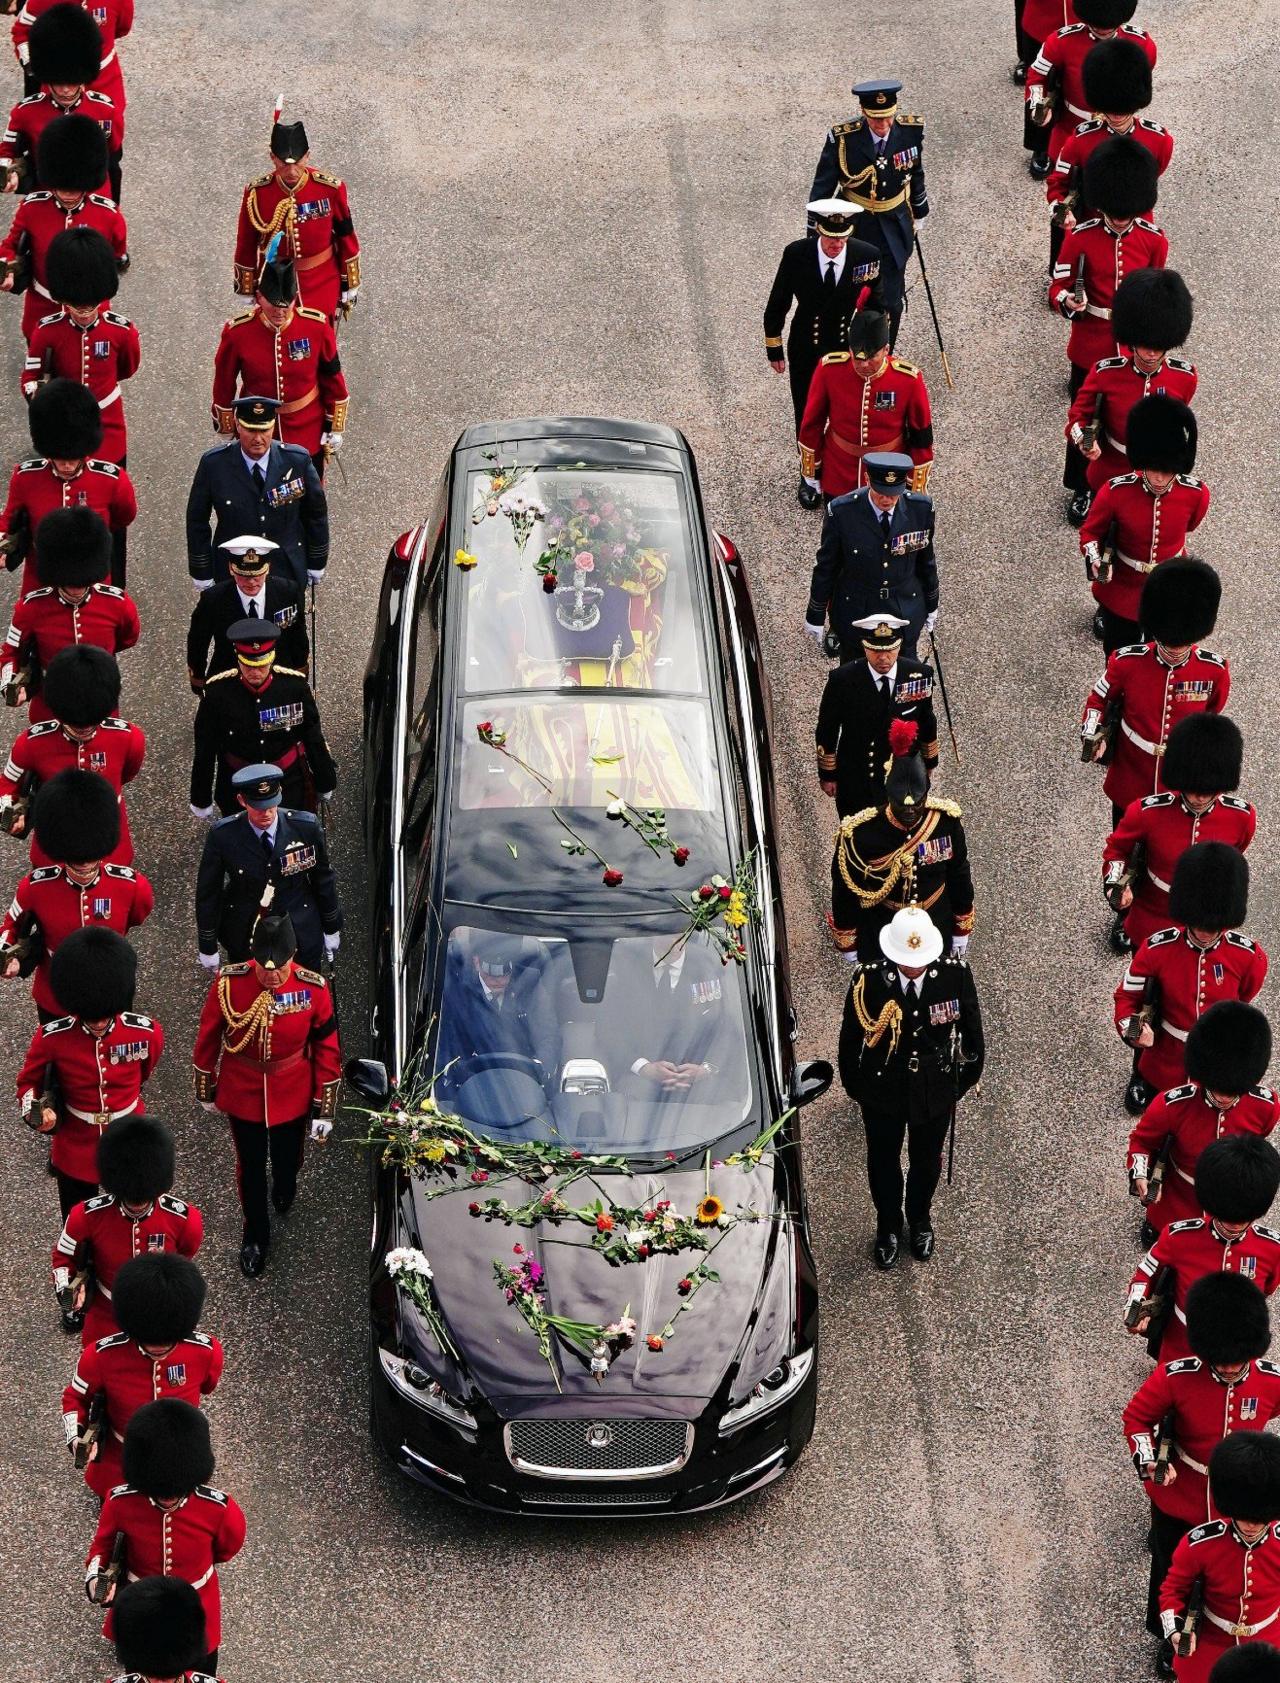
pixel 369 1078
pixel 811 1081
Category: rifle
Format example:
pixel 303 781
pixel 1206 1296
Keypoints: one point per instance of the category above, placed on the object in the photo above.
pixel 1154 1308
pixel 1100 727
pixel 1160 1472
pixel 17 689
pixel 1191 1617
pixel 91 1431
pixel 1069 203
pixel 1044 97
pixel 13 813
pixel 1114 886
pixel 27 948
pixel 1078 295
pixel 1155 1180
pixel 20 265
pixel 66 1295
pixel 106 1582
pixel 1148 1013
pixel 16 542
pixel 1092 428
pixel 49 1099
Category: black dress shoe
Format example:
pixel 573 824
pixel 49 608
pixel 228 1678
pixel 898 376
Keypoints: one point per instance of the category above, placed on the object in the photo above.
pixel 72 1320
pixel 253 1259
pixel 1138 1095
pixel 1019 74
pixel 1039 166
pixel 281 1204
pixel 1120 942
pixel 1078 508
pixel 808 496
pixel 922 1241
pixel 886 1251
pixel 1099 626
pixel 1147 1233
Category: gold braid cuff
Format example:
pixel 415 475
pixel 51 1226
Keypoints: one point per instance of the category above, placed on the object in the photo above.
pixel 873 1029
pixel 253 1025
pixel 206 1083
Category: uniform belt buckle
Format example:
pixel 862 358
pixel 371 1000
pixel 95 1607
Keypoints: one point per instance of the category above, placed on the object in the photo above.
pixel 913 1063
pixel 101 1118
pixel 1241 1631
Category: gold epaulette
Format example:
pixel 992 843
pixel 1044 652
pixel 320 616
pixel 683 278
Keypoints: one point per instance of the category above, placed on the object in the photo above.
pixel 903 366
pixel 307 975
pixel 245 315
pixel 230 672
pixel 243 966
pixel 847 128
pixel 261 181
pixel 909 121
pixel 939 803
pixel 312 315
pixel 849 825
pixel 289 672
pixel 838 356
pixel 323 177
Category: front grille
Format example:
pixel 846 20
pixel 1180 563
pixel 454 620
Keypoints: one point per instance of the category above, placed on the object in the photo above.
pixel 596 1499
pixel 598 1449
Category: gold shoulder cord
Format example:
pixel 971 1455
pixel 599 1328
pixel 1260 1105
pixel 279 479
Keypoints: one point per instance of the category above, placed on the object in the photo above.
pixel 873 1029
pixel 255 1022
pixel 285 211
pixel 888 870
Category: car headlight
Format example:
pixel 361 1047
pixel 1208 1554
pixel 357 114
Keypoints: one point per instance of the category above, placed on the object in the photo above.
pixel 774 1389
pixel 417 1386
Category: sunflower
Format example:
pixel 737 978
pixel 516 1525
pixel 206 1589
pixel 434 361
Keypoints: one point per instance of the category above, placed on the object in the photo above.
pixel 709 1211
pixel 433 1152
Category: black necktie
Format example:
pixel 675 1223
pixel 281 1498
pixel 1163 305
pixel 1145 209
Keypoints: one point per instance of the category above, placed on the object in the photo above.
pixel 885 522
pixel 268 846
pixel 260 478
pixel 253 608
pixel 829 279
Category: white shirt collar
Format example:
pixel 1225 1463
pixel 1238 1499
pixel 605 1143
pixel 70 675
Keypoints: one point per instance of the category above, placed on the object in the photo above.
pixel 251 464
pixel 823 261
pixel 890 677
pixel 909 983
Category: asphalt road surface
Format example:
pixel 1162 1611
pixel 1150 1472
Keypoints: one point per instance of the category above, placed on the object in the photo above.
pixel 578 210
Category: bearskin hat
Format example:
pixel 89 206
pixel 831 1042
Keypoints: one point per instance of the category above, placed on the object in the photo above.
pixel 76 817
pixel 135 1159
pixel 1244 1477
pixel 1210 888
pixel 868 332
pixel 65 47
pixel 1179 602
pixel 1227 1320
pixel 1121 179
pixel 159 1627
pixel 1203 755
pixel 1117 77
pixel 93 973
pixel 157 1298
pixel 1255 1662
pixel 1161 434
pixel 82 685
pixel 167 1450
pixel 80 268
pixel 65 420
pixel 1105 14
pixel 71 157
pixel 73 547
pixel 1152 308
pixel 1237 1178
pixel 1229 1048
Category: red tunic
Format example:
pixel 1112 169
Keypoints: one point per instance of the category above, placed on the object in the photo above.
pixel 315 221
pixel 102 1232
pixel 113 17
pixel 1204 1408
pixel 36 490
pixel 1108 255
pixel 31 116
pixel 291 1069
pixel 1151 696
pixel 1119 384
pixel 40 217
pixel 100 1078
pixel 44 622
pixel 190 1541
pixel 1164 826
pixel 1194 1248
pixel 847 415
pixel 128 1378
pixel 1041 17
pixel 1067 50
pixel 1187 979
pixel 119 898
pixel 1189 1121
pixel 99 356
pixel 299 365
pixel 1084 141
pixel 115 751
pixel 1241 1593
pixel 1151 526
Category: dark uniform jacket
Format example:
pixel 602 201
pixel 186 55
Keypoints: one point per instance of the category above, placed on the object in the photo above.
pixel 860 572
pixel 218 609
pixel 896 1047
pixel 279 725
pixel 849 168
pixel 291 510
pixel 234 870
pixel 853 727
pixel 821 320
pixel 879 868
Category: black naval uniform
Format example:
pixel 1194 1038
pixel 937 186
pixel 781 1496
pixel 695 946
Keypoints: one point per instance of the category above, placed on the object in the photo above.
pixel 236 726
pixel 896 1063
pixel 289 507
pixel 235 868
pixel 879 867
pixel 822 312
pixel 218 609
pixel 887 184
pixel 854 715
pixel 869 564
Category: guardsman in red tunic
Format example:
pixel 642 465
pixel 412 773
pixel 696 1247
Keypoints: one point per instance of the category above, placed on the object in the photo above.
pixel 73 604
pixel 1119 179
pixel 1148 687
pixel 1055 81
pixel 1177 1417
pixel 1140 519
pixel 81 687
pixel 309 210
pixel 1228 1051
pixel 160 1632
pixel 1033 22
pixel 1201 764
pixel 1151 314
pixel 1236 1560
pixel 65 59
pixel 173 1522
pixel 1183 969
pixel 267 1057
pixel 864 399
pixel 83 340
pixel 114 19
pixel 70 153
pixel 1236 1182
pixel 281 349
pixel 66 428
pixel 76 820
pixel 157 1298
pixel 83 1070
pixel 134 1215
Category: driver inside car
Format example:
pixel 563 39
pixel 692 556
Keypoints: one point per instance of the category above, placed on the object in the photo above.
pixel 680 1035
pixel 492 1009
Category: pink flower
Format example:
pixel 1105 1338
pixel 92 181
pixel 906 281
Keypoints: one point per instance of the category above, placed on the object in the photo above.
pixel 585 561
pixel 576 1155
pixel 479 1176
pixel 618 550
pixel 607 509
pixel 593 520
pixel 653 1341
pixel 582 504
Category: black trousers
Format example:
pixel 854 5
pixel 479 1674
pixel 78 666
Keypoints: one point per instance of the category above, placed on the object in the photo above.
pixel 256 1143
pixel 209 1663
pixel 1057 233
pixel 894 313
pixel 1116 632
pixel 800 373
pixel 1026 46
pixel 114 162
pixel 1162 1539
pixel 72 1191
pixel 925 1141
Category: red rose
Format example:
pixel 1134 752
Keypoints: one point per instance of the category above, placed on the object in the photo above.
pixel 474 1209
pixel 653 1341
pixel 484 727
pixel 650 1214
pixel 548 582
pixel 644 1250
pixel 576 1155
pixel 611 878
pixel 724 891
pixel 684 1287
pixel 604 1223
pixel 518 1250
pixel 706 892
pixel 479 1176
pixel 681 855
pixel 665 1203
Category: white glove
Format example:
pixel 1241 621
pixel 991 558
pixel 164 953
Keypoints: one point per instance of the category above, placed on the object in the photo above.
pixel 320 1129
pixel 327 796
pixel 813 484
pixel 203 584
pixel 332 943
pixel 817 632
pixel 959 945
pixel 851 957
pixel 202 812
pixel 207 1104
pixel 211 961
pixel 931 621
pixel 314 577
pixel 332 439
pixel 350 296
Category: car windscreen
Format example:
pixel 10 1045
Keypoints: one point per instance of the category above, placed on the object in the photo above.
pixel 630 1044
pixel 578 577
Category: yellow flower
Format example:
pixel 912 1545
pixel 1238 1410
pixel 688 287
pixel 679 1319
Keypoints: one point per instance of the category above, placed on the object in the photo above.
pixel 709 1211
pixel 735 913
pixel 463 558
pixel 433 1152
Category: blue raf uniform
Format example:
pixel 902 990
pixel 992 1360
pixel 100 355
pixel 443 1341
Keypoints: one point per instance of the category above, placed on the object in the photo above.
pixel 885 179
pixel 236 867
pixel 871 562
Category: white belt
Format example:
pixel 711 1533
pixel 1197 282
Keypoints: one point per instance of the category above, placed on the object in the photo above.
pixel 1178 1034
pixel 1158 882
pixel 1097 310
pixel 132 1578
pixel 1180 1315
pixel 1075 110
pixel 1190 1179
pixel 111 59
pixel 42 290
pixel 1139 741
pixel 1241 1630
pixel 93 1116
pixel 1115 444
pixel 1196 1466
pixel 113 396
pixel 1138 566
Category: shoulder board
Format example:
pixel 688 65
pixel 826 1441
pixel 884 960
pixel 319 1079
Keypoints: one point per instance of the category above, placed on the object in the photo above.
pixel 1189 1224
pixel 97 98
pixel 851 127
pixel 1264 1366
pixel 115 591
pixel 1151 128
pixel 46 873
pixel 235 817
pixel 939 803
pixel 102 200
pixel 299 815
pixel 47 321
pixel 909 120
pixel 1188 1364
pixel 289 672
pixel 137 1019
pixel 31 99
pixel 32 465
pixel 1112 362
pixel 1069 29
pixel 1138 34
pixel 1124 479
pixel 109 468
pixel 1089 222
pixel 1212 656
pixel 103 1201
pixel 1236 939
pixel 58 1025
pixel 1266 1233
pixel 122 1490
pixel 218 677
pixel 1191 480
pixel 43 728
pixel 112 1340
pixel 859 817
pixel 1175 1095
pixel 175 1206
pixel 1181 364
pixel 35 595
pixel 261 180
pixel 209 1494
pixel 1129 650
pixel 1205 1533
pixel 903 366
pixel 294 450
pixel 311 315
pixel 1090 126
pixel 834 357
pixel 200 1338
pixel 37 198
pixel 244 316
pixel 126 873
pixel 1265 1093
pixel 116 319
pixel 917 497
pixel 1162 937
pixel 1235 803
pixel 308 975
pixel 1141 222
pixel 324 178
pixel 241 968
pixel 1150 801
pixel 113 724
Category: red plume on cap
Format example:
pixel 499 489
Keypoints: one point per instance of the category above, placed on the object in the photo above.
pixel 902 737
